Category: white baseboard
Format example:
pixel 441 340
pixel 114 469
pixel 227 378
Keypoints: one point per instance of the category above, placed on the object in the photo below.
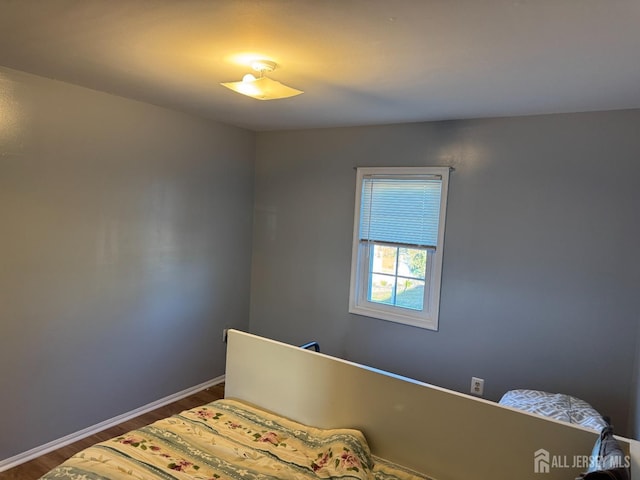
pixel 23 457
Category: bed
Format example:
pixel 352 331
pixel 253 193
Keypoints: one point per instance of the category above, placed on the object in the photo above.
pixel 559 406
pixel 230 439
pixel 294 413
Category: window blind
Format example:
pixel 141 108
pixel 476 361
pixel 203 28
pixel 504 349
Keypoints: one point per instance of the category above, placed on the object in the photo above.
pixel 403 210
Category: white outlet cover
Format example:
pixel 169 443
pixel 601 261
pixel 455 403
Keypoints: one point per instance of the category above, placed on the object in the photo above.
pixel 477 386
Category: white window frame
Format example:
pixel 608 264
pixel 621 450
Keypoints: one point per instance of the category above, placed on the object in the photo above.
pixel 358 303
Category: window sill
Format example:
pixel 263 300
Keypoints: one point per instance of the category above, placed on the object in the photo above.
pixel 426 323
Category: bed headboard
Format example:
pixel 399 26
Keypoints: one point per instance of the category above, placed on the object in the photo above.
pixel 445 434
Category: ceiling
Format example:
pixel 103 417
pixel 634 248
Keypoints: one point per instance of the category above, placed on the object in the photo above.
pixel 360 62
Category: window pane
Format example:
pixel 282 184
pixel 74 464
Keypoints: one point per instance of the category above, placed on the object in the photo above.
pixel 410 293
pixel 384 259
pixel 413 262
pixel 381 289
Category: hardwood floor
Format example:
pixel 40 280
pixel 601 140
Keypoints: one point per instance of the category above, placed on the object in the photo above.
pixel 37 467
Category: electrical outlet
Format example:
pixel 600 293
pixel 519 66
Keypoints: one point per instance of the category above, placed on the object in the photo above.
pixel 477 386
pixel 224 335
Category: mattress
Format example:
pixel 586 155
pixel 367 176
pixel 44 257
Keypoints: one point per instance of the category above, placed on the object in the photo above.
pixel 555 405
pixel 227 439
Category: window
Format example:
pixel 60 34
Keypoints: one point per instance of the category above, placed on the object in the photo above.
pixel 397 244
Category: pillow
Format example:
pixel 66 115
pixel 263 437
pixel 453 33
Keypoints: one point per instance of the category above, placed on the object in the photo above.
pixel 608 459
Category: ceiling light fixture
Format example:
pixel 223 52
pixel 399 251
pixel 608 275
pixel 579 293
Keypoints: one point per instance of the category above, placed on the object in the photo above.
pixel 262 88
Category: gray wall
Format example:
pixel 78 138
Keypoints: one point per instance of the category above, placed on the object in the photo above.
pixel 541 278
pixel 124 250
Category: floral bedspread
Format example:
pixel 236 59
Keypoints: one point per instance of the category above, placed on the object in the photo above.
pixel 230 440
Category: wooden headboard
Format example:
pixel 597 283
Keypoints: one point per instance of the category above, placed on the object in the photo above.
pixel 442 433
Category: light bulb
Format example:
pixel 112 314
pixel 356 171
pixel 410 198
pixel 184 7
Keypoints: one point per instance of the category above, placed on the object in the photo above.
pixel 248 78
